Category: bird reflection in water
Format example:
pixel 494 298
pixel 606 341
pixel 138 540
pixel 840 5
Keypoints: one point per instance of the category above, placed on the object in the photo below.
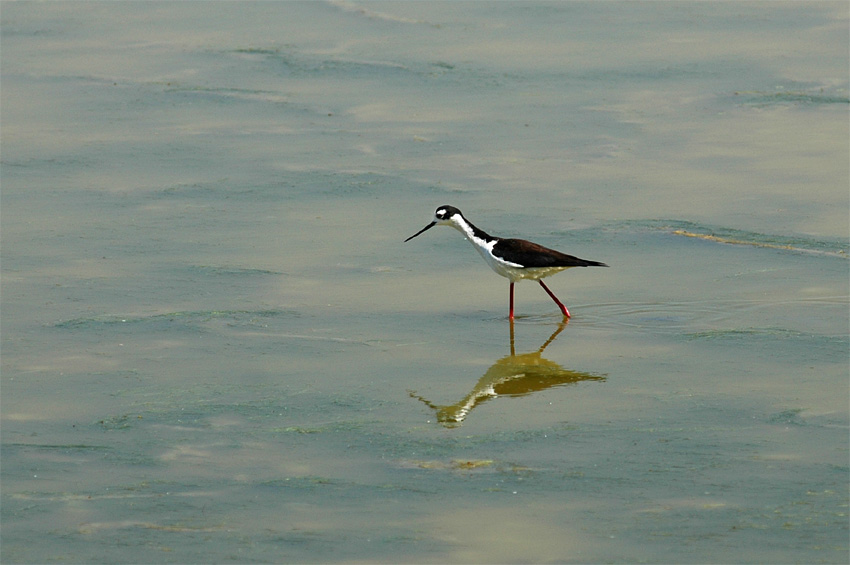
pixel 514 375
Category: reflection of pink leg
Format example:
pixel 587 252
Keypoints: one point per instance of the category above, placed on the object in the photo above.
pixel 555 298
pixel 511 315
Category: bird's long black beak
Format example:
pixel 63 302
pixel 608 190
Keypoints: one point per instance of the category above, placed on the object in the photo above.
pixel 426 228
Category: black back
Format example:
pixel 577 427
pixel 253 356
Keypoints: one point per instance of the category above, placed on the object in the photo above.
pixel 529 254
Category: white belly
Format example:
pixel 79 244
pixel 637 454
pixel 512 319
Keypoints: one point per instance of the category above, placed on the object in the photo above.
pixel 513 271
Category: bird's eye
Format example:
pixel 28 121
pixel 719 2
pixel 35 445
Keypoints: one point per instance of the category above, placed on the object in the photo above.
pixel 441 214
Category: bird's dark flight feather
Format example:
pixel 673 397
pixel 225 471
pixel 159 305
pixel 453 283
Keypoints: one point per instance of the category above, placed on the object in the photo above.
pixel 530 254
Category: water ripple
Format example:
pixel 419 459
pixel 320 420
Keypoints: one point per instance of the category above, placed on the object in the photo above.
pixel 185 318
pixel 732 236
pixel 686 315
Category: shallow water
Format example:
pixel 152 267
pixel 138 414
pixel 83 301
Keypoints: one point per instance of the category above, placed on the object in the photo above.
pixel 216 347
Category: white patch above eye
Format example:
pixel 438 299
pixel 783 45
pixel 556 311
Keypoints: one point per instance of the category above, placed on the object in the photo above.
pixel 441 212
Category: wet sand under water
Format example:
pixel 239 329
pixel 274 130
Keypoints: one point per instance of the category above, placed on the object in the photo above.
pixel 216 347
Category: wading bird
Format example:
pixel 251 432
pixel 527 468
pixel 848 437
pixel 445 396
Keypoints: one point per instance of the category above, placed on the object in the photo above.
pixel 515 259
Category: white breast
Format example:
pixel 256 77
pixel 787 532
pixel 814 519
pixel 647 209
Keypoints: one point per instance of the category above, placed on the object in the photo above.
pixel 512 271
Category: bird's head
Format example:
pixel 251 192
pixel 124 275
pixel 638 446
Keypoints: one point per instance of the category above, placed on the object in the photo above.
pixel 443 216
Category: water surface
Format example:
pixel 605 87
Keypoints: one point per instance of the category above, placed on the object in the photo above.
pixel 216 347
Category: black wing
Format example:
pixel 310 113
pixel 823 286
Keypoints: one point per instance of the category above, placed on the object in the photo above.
pixel 530 254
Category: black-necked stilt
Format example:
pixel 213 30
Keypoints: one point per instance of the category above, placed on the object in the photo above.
pixel 515 259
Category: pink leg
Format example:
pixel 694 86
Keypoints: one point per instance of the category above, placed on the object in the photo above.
pixel 511 315
pixel 555 298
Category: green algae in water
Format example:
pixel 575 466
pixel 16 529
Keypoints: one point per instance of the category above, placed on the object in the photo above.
pixel 732 236
pixel 798 97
